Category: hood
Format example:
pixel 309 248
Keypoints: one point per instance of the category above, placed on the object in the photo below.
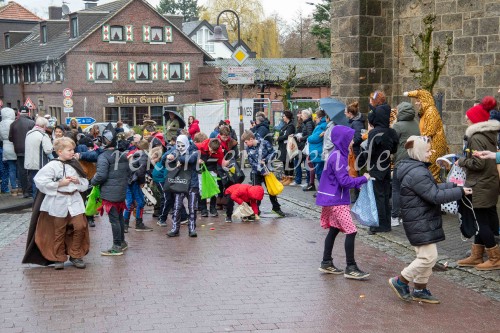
pixel 359 117
pixel 484 126
pixel 341 138
pixel 381 116
pixel 256 192
pixel 407 165
pixel 425 98
pixel 406 112
pixel 8 114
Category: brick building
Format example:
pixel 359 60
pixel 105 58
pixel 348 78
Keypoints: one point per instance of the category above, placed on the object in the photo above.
pixel 121 59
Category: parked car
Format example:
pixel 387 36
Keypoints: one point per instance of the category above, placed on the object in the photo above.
pixel 102 126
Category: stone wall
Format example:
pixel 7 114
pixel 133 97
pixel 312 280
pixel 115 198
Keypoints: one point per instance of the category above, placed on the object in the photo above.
pixel 378 33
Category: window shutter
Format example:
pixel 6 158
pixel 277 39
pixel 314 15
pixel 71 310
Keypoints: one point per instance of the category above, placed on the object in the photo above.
pixel 114 71
pixel 154 71
pixel 146 33
pixel 131 71
pixel 105 33
pixel 129 33
pixel 168 34
pixel 90 71
pixel 187 71
pixel 164 70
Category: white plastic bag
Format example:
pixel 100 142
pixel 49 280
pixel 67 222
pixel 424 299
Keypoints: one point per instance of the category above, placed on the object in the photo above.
pixel 243 210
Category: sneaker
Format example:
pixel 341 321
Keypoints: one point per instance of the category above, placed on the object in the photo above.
pixel 294 184
pixel 161 223
pixel 91 223
pixel 213 212
pixel 401 289
pixel 353 272
pixel 124 246
pixel 309 188
pixel 58 265
pixel 115 250
pixel 193 234
pixel 142 227
pixel 228 219
pixel 78 262
pixel 184 221
pixel 425 296
pixel 204 213
pixel 278 212
pixel 394 221
pixel 328 267
pixel 125 228
pixel 249 218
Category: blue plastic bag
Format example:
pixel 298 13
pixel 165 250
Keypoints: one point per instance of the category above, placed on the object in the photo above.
pixel 365 208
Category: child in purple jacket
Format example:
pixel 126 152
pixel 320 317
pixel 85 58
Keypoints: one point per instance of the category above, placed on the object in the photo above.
pixel 333 195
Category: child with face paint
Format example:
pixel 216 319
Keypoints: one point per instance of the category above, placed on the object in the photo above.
pixel 185 155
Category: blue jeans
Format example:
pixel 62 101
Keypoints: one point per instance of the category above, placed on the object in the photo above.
pixel 34 189
pixel 12 168
pixel 4 174
pixel 297 164
pixel 134 193
pixel 318 169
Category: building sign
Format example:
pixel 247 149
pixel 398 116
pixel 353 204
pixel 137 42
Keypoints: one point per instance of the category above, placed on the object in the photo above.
pixel 139 99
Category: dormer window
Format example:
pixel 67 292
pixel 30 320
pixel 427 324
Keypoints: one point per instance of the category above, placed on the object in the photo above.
pixel 157 34
pixel 7 42
pixel 43 34
pixel 74 27
pixel 116 33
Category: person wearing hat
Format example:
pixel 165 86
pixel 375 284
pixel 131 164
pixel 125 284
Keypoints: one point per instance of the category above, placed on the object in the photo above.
pixel 17 135
pixel 482 177
pixel 431 125
pixel 112 172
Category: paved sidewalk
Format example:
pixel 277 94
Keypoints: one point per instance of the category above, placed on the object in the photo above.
pixel 238 277
pixel 9 203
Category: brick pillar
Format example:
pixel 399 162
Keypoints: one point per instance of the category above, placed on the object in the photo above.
pixel 361 35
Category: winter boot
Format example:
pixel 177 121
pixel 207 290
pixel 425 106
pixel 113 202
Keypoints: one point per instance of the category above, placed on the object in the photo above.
pixel 475 258
pixel 174 232
pixel 192 228
pixel 493 261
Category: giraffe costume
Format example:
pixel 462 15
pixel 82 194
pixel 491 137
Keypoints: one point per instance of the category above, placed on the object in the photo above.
pixel 431 126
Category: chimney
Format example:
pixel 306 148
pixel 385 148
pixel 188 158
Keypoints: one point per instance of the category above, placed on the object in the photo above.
pixel 89 4
pixel 55 13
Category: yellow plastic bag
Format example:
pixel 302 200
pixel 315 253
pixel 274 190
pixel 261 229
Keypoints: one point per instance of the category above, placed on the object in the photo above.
pixel 274 187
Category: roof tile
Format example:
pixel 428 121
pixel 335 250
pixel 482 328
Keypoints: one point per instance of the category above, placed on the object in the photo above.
pixel 14 11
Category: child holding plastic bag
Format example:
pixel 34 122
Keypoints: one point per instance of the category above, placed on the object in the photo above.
pixel 333 195
pixel 421 198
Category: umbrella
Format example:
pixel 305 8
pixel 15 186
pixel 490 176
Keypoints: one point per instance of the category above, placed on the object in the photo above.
pixel 182 123
pixel 335 110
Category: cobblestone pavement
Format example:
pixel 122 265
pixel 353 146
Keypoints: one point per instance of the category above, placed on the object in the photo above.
pixel 396 244
pixel 258 276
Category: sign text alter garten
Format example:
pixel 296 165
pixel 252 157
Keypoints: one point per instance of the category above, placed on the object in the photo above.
pixel 141 99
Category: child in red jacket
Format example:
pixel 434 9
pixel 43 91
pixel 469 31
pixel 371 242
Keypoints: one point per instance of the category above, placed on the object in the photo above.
pixel 247 193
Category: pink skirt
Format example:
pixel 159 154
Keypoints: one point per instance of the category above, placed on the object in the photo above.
pixel 338 217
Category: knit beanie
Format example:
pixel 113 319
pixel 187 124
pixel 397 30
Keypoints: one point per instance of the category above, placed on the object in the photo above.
pixel 417 147
pixel 481 112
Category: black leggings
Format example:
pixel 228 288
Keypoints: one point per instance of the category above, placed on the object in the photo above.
pixel 348 245
pixel 487 218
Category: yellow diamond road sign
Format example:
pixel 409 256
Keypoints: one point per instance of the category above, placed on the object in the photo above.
pixel 240 55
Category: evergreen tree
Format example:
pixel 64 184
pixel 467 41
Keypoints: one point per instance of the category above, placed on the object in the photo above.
pixel 321 27
pixel 187 8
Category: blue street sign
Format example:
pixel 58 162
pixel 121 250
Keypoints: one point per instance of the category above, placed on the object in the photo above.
pixel 82 120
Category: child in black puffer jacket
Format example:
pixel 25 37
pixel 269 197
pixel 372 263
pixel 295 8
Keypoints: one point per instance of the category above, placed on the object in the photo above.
pixel 421 199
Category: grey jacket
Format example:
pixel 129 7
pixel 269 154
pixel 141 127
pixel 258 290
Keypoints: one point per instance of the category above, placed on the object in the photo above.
pixel 420 202
pixel 8 117
pixel 405 127
pixel 112 174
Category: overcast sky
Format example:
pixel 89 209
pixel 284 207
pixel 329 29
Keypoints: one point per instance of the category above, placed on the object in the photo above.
pixel 287 9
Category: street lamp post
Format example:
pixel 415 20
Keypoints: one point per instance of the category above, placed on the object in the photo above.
pixel 322 7
pixel 219 37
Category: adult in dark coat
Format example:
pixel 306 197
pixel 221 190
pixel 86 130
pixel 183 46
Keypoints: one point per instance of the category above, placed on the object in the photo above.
pixel 17 134
pixel 301 138
pixel 262 129
pixel 405 127
pixel 382 142
pixel 285 131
